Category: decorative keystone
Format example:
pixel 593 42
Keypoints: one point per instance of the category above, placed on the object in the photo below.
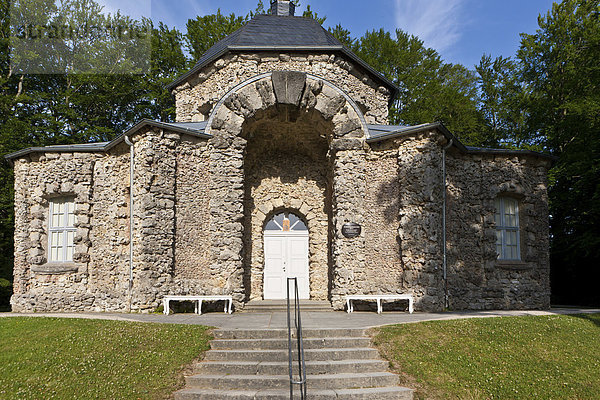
pixel 288 86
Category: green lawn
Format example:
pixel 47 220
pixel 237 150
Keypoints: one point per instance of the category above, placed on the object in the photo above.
pixel 59 358
pixel 555 357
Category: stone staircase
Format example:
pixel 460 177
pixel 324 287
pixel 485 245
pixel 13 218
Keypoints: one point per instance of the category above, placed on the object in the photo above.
pixel 253 364
pixel 269 306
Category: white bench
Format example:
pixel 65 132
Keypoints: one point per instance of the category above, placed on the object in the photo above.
pixel 198 300
pixel 379 298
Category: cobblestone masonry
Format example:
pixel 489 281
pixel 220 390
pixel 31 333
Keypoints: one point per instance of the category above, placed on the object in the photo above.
pixel 37 180
pixel 280 141
pixel 477 280
pixel 196 98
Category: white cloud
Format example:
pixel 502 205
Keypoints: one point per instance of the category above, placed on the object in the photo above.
pixel 132 8
pixel 437 22
pixel 176 13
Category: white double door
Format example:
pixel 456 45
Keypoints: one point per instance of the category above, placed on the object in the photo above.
pixel 286 256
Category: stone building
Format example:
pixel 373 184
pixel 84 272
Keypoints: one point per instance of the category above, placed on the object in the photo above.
pixel 281 163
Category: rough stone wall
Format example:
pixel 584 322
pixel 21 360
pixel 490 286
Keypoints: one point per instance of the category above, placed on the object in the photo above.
pixel 420 207
pixel 383 272
pixel 196 98
pixel 108 271
pixel 477 280
pixel 38 285
pixel 192 234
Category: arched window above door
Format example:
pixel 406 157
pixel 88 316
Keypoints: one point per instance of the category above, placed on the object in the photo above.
pixel 285 222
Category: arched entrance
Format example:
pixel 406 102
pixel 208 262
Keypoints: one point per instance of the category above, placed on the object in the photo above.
pixel 286 255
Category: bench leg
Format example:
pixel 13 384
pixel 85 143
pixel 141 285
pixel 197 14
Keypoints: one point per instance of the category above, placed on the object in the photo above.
pixel 410 306
pixel 199 309
pixel 379 308
pixel 230 304
pixel 165 306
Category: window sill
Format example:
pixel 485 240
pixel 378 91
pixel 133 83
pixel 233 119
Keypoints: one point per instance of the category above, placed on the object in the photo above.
pixel 55 268
pixel 516 265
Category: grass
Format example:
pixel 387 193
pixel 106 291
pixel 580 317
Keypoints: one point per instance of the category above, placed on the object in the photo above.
pixel 59 358
pixel 549 357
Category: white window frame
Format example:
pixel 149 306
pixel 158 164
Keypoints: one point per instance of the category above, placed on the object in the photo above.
pixel 503 228
pixel 62 227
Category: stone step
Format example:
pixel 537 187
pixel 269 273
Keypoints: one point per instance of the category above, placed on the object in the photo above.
pixel 382 393
pixel 333 354
pixel 278 368
pixel 268 306
pixel 283 333
pixel 275 344
pixel 324 381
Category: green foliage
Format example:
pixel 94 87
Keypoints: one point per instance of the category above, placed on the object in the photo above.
pixel 308 13
pixel 550 357
pixel 430 90
pixel 560 66
pixel 343 35
pixel 92 359
pixel 204 32
pixel 5 293
pixel 503 99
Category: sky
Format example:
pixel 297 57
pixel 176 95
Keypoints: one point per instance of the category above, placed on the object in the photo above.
pixel 460 30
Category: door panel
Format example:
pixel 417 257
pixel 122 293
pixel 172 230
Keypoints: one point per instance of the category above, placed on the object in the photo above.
pixel 274 275
pixel 298 263
pixel 286 255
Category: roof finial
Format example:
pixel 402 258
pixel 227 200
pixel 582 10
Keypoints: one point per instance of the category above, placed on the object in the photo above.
pixel 284 8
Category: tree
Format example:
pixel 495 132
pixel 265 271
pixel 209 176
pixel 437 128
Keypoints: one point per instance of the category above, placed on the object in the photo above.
pixel 308 13
pixel 204 32
pixel 503 99
pixel 343 35
pixel 560 65
pixel 430 90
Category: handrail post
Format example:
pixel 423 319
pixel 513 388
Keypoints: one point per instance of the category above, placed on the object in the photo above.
pixel 300 344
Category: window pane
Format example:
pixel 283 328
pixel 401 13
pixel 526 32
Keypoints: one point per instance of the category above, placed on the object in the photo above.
pixel 300 226
pixel 297 224
pixel 70 237
pixel 70 209
pixel 510 216
pixel 511 238
pixel 272 226
pixel 69 256
pixel 54 254
pixel 512 250
pixel 56 217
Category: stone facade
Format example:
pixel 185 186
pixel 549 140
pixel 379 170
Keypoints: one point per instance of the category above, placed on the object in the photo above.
pixel 477 280
pixel 196 98
pixel 283 132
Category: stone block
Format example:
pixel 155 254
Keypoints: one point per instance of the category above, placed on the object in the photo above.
pixel 288 86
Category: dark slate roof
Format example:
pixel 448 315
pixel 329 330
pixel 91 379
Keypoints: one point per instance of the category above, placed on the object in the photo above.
pixel 377 133
pixel 190 128
pixel 280 33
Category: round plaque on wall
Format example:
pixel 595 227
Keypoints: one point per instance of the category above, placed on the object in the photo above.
pixel 351 230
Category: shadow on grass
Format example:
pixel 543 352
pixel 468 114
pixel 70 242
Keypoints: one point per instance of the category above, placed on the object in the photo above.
pixel 594 318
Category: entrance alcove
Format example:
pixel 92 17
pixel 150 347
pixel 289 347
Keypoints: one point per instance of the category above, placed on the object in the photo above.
pixel 287 169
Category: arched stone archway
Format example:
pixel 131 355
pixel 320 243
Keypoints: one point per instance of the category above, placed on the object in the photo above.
pixel 288 97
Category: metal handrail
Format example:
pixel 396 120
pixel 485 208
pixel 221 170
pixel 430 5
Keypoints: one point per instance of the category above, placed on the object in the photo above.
pixel 301 381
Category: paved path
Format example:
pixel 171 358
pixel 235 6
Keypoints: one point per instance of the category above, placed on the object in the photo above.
pixel 333 319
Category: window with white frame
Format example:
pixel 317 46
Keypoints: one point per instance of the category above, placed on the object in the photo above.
pixel 507 229
pixel 61 229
